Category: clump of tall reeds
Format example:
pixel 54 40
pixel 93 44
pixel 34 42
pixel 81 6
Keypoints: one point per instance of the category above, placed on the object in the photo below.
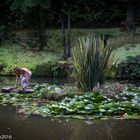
pixel 90 59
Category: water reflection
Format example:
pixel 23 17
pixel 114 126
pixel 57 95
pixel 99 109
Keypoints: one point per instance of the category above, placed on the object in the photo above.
pixel 25 127
pixel 38 128
pixel 10 81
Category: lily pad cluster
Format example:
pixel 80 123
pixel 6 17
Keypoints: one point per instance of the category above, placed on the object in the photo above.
pixel 90 103
pixel 41 91
pixel 46 88
pixel 54 92
pixel 15 99
pixel 128 102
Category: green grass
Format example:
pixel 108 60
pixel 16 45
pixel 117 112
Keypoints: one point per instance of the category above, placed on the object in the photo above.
pixel 13 55
pixel 54 38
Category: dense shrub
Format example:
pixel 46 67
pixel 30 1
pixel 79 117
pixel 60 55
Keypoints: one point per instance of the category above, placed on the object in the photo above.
pixel 48 69
pixel 52 69
pixel 129 69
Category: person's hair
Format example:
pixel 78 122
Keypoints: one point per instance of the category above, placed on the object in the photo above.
pixel 17 70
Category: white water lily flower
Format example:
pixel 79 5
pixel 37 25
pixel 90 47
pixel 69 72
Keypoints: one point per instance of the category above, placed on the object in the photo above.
pixel 89 106
pixel 58 90
pixel 49 87
pixel 102 110
pixel 45 110
pixel 54 105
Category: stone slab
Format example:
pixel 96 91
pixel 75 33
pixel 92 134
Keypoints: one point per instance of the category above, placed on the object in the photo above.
pixel 7 89
pixel 26 91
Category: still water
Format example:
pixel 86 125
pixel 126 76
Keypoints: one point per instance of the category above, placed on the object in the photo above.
pixel 10 81
pixel 23 127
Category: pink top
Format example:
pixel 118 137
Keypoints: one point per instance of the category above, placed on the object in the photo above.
pixel 25 72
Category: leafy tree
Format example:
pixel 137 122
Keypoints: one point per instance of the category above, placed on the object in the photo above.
pixel 36 6
pixel 65 10
pixel 25 4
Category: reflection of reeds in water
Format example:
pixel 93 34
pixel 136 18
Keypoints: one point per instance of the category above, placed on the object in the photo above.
pixel 105 130
pixel 97 130
pixel 77 133
pixel 20 117
pixel 109 131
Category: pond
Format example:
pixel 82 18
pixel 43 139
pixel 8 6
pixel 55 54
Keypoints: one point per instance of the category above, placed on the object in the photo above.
pixel 24 127
pixel 30 127
pixel 10 81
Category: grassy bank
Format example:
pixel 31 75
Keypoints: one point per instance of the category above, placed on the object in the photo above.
pixel 13 55
pixel 46 62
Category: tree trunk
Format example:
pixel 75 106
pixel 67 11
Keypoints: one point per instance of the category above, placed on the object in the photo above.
pixel 64 39
pixel 69 35
pixel 130 16
pixel 41 29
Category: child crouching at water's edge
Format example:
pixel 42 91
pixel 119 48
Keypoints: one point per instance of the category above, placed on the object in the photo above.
pixel 24 74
